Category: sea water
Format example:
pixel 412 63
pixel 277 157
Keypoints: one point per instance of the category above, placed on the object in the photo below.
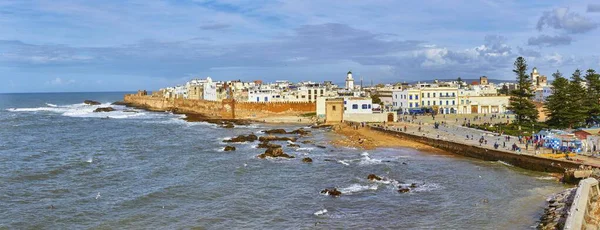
pixel 65 167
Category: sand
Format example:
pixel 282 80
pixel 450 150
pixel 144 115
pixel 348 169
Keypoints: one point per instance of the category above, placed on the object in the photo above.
pixel 365 138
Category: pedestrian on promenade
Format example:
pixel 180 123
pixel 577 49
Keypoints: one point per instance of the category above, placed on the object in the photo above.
pixel 496 145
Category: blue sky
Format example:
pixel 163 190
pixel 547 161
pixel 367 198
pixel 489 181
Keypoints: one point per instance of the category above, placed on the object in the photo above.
pixel 56 46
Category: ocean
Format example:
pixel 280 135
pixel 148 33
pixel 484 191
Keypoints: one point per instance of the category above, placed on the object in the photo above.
pixel 65 167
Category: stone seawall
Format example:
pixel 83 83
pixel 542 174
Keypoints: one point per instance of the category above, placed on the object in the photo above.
pixel 519 160
pixel 226 109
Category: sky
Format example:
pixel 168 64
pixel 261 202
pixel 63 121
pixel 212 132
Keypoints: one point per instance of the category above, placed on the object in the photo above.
pixel 106 45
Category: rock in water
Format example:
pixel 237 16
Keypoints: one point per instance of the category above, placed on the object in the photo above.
pixel 332 192
pixel 293 145
pixel 403 190
pixel 413 185
pixel 90 102
pixel 228 126
pixel 300 131
pixel 274 138
pixel 274 152
pixel 242 138
pixel 267 145
pixel 307 142
pixel 307 160
pixel 275 131
pixel 229 148
pixel 373 177
pixel 104 109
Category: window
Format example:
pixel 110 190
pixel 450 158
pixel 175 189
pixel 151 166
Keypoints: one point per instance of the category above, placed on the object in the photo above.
pixel 428 102
pixel 321 92
pixel 309 97
pixel 369 106
pixel 257 99
pixel 364 106
pixel 396 96
pixel 416 96
pixel 410 105
pixel 345 102
pixel 433 102
pixel 309 92
pixel 416 104
pixel 452 102
pixel 446 102
pixel 316 91
pixel 333 108
pixel 462 101
pixel 428 95
pixel 423 95
pixel 453 94
pixel 355 106
pixel 266 98
pixel 410 97
pixel 433 94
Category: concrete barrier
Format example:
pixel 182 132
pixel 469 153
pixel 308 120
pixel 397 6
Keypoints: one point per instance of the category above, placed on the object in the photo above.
pixel 586 198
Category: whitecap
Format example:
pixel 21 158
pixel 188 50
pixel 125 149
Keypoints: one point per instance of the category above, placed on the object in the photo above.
pixel 355 188
pixel 546 178
pixel 51 105
pixel 320 212
pixel 343 162
pixel 304 149
pixel 89 160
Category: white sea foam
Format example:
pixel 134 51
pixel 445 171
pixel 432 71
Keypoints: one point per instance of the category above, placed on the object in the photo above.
pixel 89 160
pixel 366 160
pixel 343 162
pixel 355 188
pixel 82 110
pixel 546 178
pixel 504 163
pixel 51 105
pixel 304 149
pixel 320 212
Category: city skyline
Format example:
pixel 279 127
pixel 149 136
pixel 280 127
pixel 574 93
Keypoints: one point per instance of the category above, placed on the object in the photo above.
pixel 114 46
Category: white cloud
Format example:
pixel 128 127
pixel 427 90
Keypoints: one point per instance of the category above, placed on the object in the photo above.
pixel 59 81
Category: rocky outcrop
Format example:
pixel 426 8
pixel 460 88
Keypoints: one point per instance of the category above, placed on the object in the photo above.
pixel 307 160
pixel 403 190
pixel 300 132
pixel 228 126
pixel 555 214
pixel 274 152
pixel 332 192
pixel 121 103
pixel 229 148
pixel 373 177
pixel 90 102
pixel 104 109
pixel 267 145
pixel 275 131
pixel 307 142
pixel 275 138
pixel 243 138
pixel 321 126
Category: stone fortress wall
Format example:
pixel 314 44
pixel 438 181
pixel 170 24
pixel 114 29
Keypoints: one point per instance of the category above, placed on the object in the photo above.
pixel 226 109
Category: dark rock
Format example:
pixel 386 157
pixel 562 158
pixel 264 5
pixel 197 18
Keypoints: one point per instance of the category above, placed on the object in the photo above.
pixel 321 146
pixel 229 148
pixel 228 126
pixel 403 190
pixel 413 185
pixel 90 102
pixel 274 138
pixel 130 111
pixel 293 145
pixel 332 192
pixel 275 131
pixel 104 109
pixel 274 152
pixel 373 177
pixel 321 126
pixel 242 138
pixel 307 160
pixel 300 131
pixel 120 103
pixel 267 145
pixel 307 142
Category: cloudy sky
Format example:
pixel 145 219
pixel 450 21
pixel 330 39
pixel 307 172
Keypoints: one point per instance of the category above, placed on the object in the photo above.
pixel 61 45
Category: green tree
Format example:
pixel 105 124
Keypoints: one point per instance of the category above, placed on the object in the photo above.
pixel 520 99
pixel 577 113
pixel 556 104
pixel 592 79
pixel 459 81
pixel 503 90
pixel 376 99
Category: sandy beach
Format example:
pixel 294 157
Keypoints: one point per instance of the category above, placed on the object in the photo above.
pixel 365 138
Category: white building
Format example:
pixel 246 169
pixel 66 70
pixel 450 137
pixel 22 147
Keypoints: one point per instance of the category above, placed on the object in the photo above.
pixel 358 105
pixel 349 81
pixel 542 93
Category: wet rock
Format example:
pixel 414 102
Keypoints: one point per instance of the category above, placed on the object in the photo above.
pixel 120 103
pixel 227 125
pixel 274 138
pixel 321 146
pixel 104 109
pixel 274 152
pixel 373 177
pixel 130 111
pixel 307 142
pixel 90 102
pixel 307 160
pixel 413 185
pixel 300 131
pixel 403 190
pixel 267 145
pixel 242 138
pixel 321 126
pixel 275 131
pixel 229 148
pixel 332 192
pixel 293 145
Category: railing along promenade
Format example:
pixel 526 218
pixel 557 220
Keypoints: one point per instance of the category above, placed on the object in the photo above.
pixel 581 214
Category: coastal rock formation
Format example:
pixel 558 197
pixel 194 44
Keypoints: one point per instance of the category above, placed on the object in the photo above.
pixel 274 152
pixel 373 177
pixel 227 125
pixel 267 145
pixel 300 131
pixel 321 126
pixel 332 192
pixel 274 138
pixel 90 102
pixel 307 160
pixel 242 138
pixel 293 145
pixel 120 103
pixel 403 190
pixel 555 213
pixel 104 109
pixel 275 131
pixel 413 185
pixel 229 148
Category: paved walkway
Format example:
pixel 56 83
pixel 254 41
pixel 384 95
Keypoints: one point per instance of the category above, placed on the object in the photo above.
pixel 455 132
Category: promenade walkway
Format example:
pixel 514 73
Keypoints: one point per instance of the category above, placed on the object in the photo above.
pixel 452 130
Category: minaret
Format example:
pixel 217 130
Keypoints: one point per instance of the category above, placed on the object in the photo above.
pixel 349 81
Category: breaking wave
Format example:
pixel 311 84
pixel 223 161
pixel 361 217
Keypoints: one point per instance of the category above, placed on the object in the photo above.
pixel 356 188
pixel 83 110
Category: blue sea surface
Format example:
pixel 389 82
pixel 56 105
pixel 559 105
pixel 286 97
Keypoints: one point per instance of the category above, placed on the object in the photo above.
pixel 65 167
